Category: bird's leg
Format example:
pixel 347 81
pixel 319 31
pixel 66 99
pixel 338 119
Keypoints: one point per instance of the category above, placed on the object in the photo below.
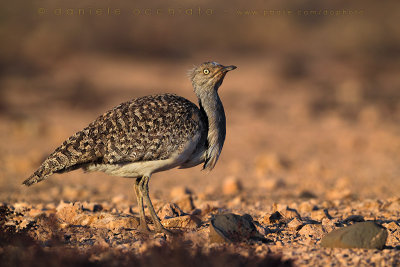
pixel 139 197
pixel 157 223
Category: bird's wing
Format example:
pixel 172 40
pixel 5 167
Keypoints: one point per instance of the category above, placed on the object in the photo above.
pixel 149 128
pixel 144 129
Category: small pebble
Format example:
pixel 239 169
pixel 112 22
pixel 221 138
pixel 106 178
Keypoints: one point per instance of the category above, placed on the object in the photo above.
pixel 231 186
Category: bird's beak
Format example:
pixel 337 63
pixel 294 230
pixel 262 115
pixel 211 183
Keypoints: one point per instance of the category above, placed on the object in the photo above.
pixel 229 68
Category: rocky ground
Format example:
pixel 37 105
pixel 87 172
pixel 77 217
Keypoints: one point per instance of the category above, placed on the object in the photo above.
pixel 304 155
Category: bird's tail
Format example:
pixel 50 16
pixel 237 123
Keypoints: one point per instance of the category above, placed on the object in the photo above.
pixel 34 178
pixel 40 174
pixel 72 154
pixel 57 162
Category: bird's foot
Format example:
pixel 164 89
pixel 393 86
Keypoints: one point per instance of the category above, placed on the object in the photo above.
pixel 144 229
pixel 162 230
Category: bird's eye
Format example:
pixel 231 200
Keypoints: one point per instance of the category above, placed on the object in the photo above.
pixel 206 71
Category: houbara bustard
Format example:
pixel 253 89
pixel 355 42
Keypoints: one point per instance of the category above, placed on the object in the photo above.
pixel 147 135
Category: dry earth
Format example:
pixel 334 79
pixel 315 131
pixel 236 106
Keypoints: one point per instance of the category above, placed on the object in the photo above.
pixel 323 151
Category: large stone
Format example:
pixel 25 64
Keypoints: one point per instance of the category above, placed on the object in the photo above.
pixel 233 228
pixel 185 221
pixel 360 235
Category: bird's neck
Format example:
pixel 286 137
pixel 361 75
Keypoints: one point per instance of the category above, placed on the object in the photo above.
pixel 211 105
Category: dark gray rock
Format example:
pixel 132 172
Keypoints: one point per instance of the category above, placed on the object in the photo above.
pixel 360 235
pixel 233 228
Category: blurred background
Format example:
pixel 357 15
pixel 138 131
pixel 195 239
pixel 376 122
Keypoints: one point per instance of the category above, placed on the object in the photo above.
pixel 313 109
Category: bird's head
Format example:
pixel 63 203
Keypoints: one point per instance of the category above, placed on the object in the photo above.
pixel 208 76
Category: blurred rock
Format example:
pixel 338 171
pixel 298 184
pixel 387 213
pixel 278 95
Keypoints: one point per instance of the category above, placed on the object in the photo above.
pixel 202 196
pixel 210 190
pixel 343 193
pixel 315 167
pixel 343 183
pixel 307 207
pixel 289 213
pixel 329 224
pixel 231 186
pixel 35 212
pixel 24 223
pixel 92 206
pixel 320 214
pixel 269 163
pixel 50 206
pixel 271 183
pixel 233 228
pixel 186 221
pixel 374 205
pixel 73 214
pixel 73 193
pixel 68 211
pixel 393 226
pixel 185 203
pixel 170 210
pixel 261 229
pixel 235 202
pixel 97 207
pixel 295 224
pixel 312 230
pixel 101 243
pixel 118 199
pixel 21 206
pixel 179 192
pixel 207 208
pixel 394 205
pixel 307 194
pixel 360 235
pixel 394 233
pixel 272 218
pixel 113 222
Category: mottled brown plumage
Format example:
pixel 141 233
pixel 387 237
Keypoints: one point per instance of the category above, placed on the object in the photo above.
pixel 148 135
pixel 144 129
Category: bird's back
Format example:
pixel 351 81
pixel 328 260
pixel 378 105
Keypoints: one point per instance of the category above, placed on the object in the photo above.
pixel 145 129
